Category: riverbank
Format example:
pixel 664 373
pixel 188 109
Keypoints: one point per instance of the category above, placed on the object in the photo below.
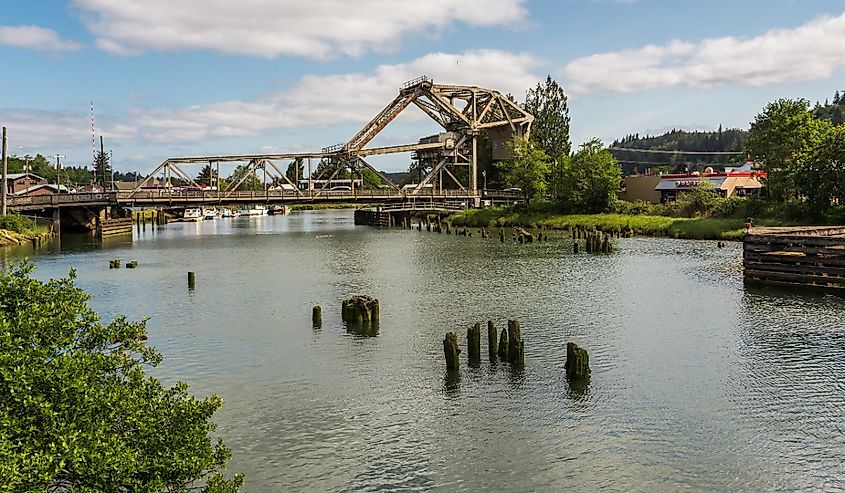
pixel 647 225
pixel 10 238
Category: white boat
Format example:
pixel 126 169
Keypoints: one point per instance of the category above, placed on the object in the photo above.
pixel 192 214
pixel 228 213
pixel 256 210
pixel 209 213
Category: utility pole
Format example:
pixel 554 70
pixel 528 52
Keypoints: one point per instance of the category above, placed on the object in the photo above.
pixel 103 157
pixel 5 174
pixel 58 173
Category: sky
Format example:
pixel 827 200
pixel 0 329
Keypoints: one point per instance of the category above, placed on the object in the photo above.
pixel 204 77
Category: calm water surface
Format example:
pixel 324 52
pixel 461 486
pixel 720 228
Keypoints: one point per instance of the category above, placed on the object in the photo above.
pixel 698 384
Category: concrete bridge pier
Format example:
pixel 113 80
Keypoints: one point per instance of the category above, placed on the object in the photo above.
pixel 57 220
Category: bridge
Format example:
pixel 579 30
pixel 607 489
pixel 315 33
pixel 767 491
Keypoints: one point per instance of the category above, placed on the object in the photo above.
pixel 445 165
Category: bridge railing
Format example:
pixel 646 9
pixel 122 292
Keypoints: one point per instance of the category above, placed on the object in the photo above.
pixel 62 199
pixel 199 195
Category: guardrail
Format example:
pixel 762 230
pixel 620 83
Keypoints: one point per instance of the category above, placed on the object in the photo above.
pixel 64 199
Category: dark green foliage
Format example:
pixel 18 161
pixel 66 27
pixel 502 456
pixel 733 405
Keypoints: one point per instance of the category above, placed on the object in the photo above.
pixel 550 131
pixel 39 165
pixel 722 140
pixel 102 169
pixel 17 223
pixel 527 169
pixel 207 176
pixel 295 171
pixel 590 179
pixel 78 412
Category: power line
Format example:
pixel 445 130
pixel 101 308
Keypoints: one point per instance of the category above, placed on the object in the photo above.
pixel 656 151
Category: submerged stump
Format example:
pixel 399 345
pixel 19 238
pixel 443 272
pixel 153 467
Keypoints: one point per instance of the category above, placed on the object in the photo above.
pixel 451 351
pixel 192 280
pixel 577 361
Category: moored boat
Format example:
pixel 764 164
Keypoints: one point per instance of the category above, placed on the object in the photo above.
pixel 227 213
pixel 277 210
pixel 192 214
pixel 210 213
pixel 256 210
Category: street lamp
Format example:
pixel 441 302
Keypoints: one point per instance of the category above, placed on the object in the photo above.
pixel 484 174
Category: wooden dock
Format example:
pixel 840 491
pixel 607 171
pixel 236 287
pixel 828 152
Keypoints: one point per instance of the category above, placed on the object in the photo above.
pixel 812 256
pixel 114 227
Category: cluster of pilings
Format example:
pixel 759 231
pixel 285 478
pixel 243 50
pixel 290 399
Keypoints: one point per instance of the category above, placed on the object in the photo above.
pixel 360 311
pixel 115 264
pixel 594 241
pixel 507 347
pixel 155 217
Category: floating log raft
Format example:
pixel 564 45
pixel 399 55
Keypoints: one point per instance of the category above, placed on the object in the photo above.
pixel 804 256
pixel 577 361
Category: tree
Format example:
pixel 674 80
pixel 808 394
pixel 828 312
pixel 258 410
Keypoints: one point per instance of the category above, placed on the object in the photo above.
pixel 207 176
pixel 527 169
pixel 821 176
pixel 102 169
pixel 295 171
pixel 550 131
pixel 590 179
pixel 249 183
pixel 781 137
pixel 78 412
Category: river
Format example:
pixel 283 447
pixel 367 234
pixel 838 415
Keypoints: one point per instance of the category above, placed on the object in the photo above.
pixel 698 383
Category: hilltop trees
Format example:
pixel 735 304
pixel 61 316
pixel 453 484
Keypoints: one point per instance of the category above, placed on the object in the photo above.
pixel 78 412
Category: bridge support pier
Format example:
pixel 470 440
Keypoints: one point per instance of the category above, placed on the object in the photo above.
pixel 57 220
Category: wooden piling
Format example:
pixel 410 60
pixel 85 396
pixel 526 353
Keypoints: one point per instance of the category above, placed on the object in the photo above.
pixel 132 264
pixel 192 280
pixel 451 351
pixel 492 342
pixel 577 361
pixel 503 345
pixel 576 247
pixel 474 344
pixel 516 347
pixel 360 310
pixel 317 316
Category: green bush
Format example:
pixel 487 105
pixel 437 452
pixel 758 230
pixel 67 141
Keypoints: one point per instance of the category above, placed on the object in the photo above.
pixel 16 223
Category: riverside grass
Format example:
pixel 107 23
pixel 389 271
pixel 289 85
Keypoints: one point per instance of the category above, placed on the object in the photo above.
pixel 648 225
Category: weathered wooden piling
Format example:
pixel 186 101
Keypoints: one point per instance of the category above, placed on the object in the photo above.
pixel 451 351
pixel 192 280
pixel 576 247
pixel 502 235
pixel 132 264
pixel 114 264
pixel 516 346
pixel 474 344
pixel 317 316
pixel 492 342
pixel 503 345
pixel 360 310
pixel 577 361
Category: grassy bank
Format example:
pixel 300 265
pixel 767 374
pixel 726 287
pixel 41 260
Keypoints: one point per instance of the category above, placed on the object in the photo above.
pixel 19 230
pixel 673 227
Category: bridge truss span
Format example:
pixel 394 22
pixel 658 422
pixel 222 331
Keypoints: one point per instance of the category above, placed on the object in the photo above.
pixel 464 112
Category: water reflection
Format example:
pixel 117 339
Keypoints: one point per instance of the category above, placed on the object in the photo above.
pixel 698 383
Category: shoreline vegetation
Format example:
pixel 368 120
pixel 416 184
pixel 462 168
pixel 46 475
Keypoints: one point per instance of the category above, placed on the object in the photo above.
pixel 17 230
pixel 699 228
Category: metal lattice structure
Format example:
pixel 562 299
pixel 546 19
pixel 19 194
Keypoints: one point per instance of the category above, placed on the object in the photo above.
pixel 464 112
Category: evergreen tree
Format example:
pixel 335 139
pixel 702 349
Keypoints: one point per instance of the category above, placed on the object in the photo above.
pixel 102 169
pixel 550 131
pixel 295 171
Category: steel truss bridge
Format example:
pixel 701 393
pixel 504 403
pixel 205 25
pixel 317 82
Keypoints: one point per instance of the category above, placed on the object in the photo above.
pixel 464 112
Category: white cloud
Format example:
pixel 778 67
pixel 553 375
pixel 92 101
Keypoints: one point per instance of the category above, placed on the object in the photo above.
pixel 317 101
pixel 269 28
pixel 36 38
pixel 47 132
pixel 809 52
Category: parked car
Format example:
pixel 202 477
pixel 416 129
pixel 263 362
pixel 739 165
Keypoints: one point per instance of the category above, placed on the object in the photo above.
pixel 341 188
pixel 513 189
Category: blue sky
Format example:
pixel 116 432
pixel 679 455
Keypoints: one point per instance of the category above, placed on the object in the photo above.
pixel 198 77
